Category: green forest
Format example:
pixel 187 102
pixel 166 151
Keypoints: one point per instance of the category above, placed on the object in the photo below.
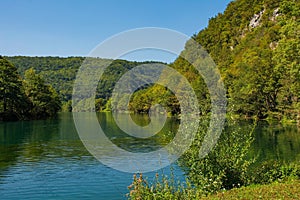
pixel 25 98
pixel 255 45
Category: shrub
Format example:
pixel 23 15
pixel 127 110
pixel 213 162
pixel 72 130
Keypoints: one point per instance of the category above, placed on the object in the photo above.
pixel 226 166
pixel 272 171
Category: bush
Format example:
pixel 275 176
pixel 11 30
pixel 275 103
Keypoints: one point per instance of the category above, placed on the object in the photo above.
pixel 226 166
pixel 162 188
pixel 274 171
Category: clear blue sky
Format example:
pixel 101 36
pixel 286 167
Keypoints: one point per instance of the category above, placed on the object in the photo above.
pixel 75 27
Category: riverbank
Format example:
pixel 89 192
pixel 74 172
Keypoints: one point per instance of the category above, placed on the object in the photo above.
pixel 286 190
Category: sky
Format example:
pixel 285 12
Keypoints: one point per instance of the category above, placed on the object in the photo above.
pixel 75 27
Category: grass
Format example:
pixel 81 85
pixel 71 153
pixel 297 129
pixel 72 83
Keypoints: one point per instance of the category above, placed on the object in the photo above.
pixel 287 190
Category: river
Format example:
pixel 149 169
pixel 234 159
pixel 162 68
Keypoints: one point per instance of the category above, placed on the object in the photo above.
pixel 45 159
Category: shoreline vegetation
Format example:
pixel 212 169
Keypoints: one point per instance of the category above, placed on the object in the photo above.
pixel 227 172
pixel 254 44
pixel 284 189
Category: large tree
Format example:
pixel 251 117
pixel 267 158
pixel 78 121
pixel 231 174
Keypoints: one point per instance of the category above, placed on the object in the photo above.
pixel 11 90
pixel 45 101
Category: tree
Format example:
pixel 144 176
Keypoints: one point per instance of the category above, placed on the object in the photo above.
pixel 287 59
pixel 44 99
pixel 11 91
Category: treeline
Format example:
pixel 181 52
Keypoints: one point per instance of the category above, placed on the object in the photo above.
pixel 28 98
pixel 57 71
pixel 61 74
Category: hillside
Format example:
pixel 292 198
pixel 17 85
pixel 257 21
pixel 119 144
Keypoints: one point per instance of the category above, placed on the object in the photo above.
pixel 61 73
pixel 256 46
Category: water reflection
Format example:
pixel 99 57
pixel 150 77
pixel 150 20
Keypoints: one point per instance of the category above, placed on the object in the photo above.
pixel 132 144
pixel 276 142
pixel 45 159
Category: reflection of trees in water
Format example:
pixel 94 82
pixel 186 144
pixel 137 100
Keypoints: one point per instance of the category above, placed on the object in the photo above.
pixel 22 141
pixel 53 139
pixel 36 141
pixel 276 143
pixel 129 143
pixel 12 136
pixel 48 140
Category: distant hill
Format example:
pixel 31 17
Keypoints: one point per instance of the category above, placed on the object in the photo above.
pixel 61 72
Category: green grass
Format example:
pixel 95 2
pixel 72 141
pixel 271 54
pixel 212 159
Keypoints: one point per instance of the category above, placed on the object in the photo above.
pixel 287 190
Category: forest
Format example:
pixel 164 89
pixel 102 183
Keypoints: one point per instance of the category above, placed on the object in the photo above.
pixel 254 44
pixel 25 98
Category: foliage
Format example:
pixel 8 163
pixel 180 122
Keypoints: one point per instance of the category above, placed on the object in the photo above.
pixel 66 106
pixel 12 99
pixel 142 100
pixel 44 100
pixel 59 72
pixel 226 166
pixel 27 99
pixel 260 68
pixel 161 188
pixel 274 171
pixel 260 65
pixel 285 190
pixel 220 174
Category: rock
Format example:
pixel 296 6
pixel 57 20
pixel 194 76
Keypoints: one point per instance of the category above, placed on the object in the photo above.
pixel 255 21
pixel 276 13
pixel 273 45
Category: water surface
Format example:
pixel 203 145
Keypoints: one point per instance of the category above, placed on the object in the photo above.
pixel 45 159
